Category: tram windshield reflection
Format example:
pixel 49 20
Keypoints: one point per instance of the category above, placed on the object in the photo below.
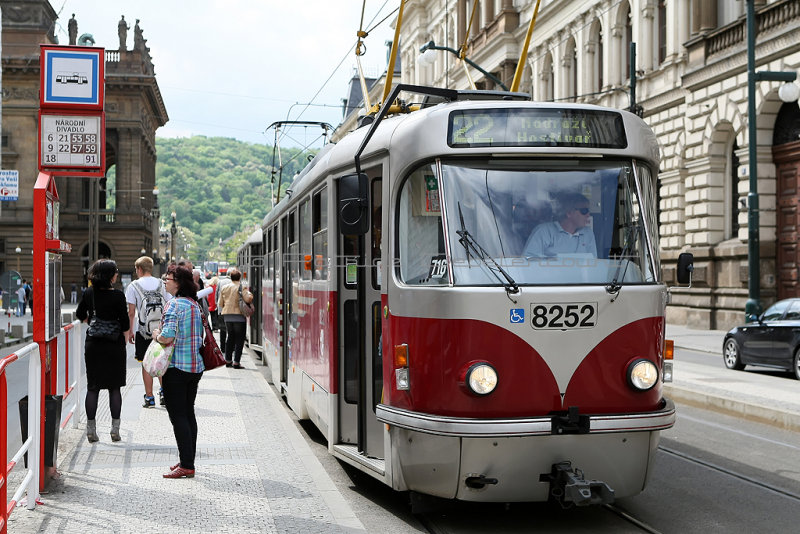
pixel 542 222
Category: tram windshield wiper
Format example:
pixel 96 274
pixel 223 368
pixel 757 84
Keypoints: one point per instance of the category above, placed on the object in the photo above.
pixel 616 285
pixel 473 248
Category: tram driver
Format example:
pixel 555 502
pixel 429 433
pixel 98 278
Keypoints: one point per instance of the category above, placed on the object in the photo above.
pixel 570 233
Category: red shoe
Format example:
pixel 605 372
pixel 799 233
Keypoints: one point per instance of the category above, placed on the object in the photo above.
pixel 180 472
pixel 174 467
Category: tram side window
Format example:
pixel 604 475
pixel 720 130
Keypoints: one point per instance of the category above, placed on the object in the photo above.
pixel 420 236
pixel 305 240
pixel 320 229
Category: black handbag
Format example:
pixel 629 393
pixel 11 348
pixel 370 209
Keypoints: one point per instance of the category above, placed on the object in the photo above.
pixel 102 328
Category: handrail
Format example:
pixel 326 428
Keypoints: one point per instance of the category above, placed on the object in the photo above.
pixel 30 483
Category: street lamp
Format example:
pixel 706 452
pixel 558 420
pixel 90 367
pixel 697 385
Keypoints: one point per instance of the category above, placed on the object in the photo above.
pixel 753 306
pixel 427 56
pixel 18 251
pixel 173 230
pixel 155 213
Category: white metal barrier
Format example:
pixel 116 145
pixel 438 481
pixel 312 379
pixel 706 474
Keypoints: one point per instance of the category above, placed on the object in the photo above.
pixel 32 445
pixel 73 369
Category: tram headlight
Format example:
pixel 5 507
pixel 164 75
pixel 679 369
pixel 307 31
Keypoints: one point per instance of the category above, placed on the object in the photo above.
pixel 481 378
pixel 642 374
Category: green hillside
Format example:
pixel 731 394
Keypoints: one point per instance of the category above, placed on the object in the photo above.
pixel 219 189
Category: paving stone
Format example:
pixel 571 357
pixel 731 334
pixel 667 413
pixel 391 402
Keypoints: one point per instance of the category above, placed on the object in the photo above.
pixel 249 476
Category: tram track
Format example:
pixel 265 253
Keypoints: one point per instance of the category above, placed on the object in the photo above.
pixel 616 510
pixel 739 476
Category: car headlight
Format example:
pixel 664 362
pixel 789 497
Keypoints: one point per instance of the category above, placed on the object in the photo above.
pixel 642 374
pixel 481 378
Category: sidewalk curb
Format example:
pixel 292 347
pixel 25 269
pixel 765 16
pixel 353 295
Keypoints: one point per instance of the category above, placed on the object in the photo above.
pixel 28 338
pixel 697 348
pixel 719 403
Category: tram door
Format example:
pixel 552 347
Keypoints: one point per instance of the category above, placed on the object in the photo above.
pixel 256 263
pixel 361 369
pixel 289 276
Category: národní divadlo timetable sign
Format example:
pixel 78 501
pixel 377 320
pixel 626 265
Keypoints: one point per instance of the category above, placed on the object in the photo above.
pixel 70 141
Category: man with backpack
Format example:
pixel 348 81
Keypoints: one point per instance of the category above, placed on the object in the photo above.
pixel 146 298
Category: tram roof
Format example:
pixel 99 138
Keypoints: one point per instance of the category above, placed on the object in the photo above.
pixel 254 238
pixel 422 134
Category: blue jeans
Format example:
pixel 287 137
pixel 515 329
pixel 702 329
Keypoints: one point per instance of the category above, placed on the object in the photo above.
pixel 180 392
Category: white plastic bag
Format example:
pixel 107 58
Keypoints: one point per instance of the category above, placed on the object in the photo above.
pixel 156 359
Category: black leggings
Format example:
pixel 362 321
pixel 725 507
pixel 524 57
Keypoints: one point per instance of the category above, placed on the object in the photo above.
pixel 114 403
pixel 235 341
pixel 180 392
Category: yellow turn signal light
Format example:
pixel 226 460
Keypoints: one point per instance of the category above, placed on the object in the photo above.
pixel 669 349
pixel 401 355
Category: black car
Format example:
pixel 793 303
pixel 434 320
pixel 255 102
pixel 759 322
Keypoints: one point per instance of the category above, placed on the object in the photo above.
pixel 771 340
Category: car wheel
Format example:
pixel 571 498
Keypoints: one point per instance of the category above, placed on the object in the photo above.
pixel 796 364
pixel 731 357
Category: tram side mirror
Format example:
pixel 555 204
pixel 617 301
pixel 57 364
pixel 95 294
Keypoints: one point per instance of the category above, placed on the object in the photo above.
pixel 685 268
pixel 353 204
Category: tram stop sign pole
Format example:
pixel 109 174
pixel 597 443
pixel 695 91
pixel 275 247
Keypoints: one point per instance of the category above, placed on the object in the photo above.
pixel 71 143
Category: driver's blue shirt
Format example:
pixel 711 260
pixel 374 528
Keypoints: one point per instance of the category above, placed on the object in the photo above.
pixel 549 240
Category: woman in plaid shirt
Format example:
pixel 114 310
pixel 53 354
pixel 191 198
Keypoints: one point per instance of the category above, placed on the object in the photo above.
pixel 181 324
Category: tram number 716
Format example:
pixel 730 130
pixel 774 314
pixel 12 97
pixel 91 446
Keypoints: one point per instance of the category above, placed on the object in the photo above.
pixel 561 316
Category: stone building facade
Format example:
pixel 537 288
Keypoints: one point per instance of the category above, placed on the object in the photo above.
pixel 691 81
pixel 134 110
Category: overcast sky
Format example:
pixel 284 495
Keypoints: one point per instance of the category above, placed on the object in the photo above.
pixel 232 67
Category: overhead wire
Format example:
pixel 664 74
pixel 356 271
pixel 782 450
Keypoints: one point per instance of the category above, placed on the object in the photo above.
pixel 349 51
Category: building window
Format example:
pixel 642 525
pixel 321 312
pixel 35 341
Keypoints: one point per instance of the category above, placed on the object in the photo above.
pixel 626 51
pixel 547 79
pixel 728 11
pixel 571 66
pixel 733 177
pixel 662 31
pixel 597 59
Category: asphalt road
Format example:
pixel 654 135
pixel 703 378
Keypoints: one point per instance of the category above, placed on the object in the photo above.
pixel 713 473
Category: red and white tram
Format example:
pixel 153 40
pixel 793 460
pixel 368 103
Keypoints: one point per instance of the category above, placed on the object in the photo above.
pixel 408 314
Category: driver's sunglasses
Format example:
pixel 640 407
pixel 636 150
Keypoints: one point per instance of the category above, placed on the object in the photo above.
pixel 584 211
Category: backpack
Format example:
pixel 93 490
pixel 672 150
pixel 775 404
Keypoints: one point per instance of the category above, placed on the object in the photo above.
pixel 151 308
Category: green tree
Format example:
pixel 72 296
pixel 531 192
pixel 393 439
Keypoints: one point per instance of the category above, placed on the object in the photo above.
pixel 220 189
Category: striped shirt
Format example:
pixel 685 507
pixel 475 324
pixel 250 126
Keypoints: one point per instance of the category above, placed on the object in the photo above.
pixel 182 321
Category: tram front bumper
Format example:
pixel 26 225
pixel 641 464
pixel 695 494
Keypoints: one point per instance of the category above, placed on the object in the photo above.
pixel 443 456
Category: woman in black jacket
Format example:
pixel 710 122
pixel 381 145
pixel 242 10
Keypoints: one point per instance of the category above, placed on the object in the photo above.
pixel 105 358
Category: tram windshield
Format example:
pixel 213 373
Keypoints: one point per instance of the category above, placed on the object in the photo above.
pixel 535 222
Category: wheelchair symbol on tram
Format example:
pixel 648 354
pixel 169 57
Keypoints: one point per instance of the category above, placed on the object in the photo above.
pixel 517 315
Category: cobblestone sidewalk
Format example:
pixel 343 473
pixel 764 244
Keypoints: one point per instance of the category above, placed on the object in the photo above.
pixel 255 473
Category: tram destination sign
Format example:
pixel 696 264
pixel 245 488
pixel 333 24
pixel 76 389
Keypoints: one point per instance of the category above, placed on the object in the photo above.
pixel 544 127
pixel 70 141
